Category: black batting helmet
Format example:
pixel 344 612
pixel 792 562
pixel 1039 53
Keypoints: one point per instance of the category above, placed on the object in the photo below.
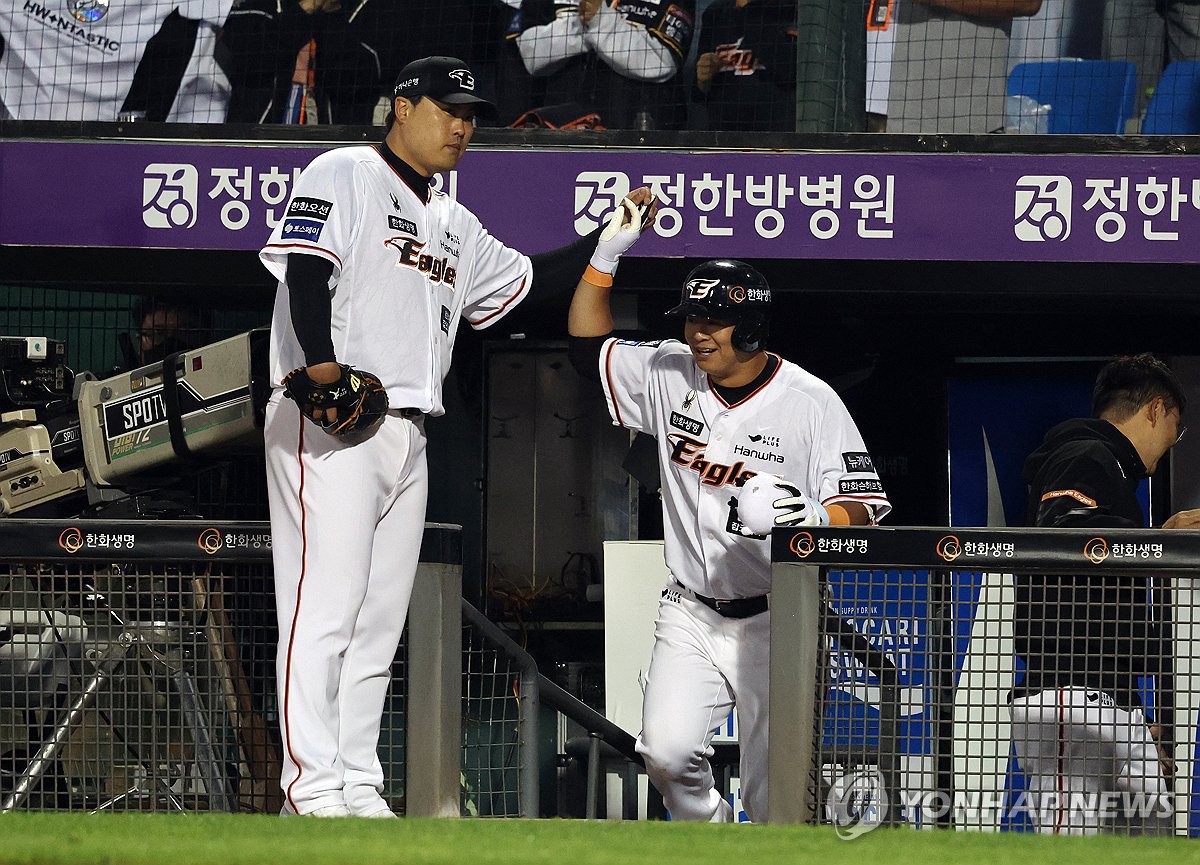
pixel 730 290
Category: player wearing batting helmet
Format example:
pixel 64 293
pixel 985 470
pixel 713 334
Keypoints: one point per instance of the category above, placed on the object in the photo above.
pixel 722 409
pixel 376 267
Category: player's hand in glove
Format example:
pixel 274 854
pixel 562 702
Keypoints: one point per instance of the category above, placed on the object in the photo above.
pixel 634 214
pixel 797 509
pixel 767 501
pixel 352 402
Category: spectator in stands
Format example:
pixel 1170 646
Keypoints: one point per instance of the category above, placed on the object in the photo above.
pixel 1150 34
pixel 746 66
pixel 612 66
pixel 1088 642
pixel 950 64
pixel 1060 29
pixel 293 59
pixel 95 60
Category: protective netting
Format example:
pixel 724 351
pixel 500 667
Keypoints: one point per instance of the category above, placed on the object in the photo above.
pixel 812 65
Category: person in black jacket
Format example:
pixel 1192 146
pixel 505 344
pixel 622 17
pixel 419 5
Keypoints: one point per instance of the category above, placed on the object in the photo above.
pixel 746 65
pixel 1089 642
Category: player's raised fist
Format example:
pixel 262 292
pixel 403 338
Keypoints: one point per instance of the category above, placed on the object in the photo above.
pixel 634 214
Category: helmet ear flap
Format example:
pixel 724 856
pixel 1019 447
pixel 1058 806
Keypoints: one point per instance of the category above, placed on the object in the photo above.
pixel 750 334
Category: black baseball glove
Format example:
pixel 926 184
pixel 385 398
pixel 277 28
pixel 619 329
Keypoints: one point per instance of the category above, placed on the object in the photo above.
pixel 358 397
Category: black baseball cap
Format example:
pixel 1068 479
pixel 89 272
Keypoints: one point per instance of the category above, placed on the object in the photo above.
pixel 446 79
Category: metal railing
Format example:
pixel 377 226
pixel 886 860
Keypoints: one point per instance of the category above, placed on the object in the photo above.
pixel 137 673
pixel 137 669
pixel 892 653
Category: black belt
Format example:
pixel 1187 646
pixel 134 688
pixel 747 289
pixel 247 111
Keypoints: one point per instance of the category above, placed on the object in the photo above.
pixel 737 608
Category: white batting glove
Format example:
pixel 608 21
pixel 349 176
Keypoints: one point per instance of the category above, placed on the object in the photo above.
pixel 798 509
pixel 623 229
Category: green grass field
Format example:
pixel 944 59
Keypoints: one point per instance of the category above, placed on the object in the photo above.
pixel 45 838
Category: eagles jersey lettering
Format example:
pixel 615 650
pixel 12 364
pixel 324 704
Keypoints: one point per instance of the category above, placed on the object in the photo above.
pixel 793 426
pixel 404 273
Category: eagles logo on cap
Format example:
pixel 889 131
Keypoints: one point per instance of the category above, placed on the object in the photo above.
pixel 446 79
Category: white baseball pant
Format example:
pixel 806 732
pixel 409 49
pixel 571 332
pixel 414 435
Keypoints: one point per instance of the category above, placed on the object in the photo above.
pixel 1085 759
pixel 702 665
pixel 346 526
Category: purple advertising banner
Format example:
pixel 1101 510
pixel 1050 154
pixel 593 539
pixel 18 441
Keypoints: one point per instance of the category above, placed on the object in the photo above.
pixel 996 207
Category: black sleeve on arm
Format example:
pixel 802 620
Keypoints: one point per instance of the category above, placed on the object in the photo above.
pixel 584 352
pixel 557 272
pixel 555 275
pixel 310 305
pixel 1078 480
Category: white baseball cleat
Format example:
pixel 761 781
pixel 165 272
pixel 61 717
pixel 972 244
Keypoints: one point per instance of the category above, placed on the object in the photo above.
pixel 324 811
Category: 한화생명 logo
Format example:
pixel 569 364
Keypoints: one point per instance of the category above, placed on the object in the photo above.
pixel 857 802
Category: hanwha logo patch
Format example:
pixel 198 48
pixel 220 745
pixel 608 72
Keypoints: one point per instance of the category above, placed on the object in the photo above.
pixel 802 544
pixel 209 541
pixel 88 11
pixel 1096 550
pixel 737 294
pixel 71 540
pixel 949 548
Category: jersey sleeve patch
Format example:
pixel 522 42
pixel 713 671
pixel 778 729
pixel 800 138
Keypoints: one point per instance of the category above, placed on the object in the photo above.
pixel 858 461
pixel 675 29
pixel 295 228
pixel 312 208
pixel 858 486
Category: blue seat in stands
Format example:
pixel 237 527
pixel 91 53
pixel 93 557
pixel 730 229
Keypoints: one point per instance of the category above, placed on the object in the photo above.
pixel 1174 109
pixel 1085 96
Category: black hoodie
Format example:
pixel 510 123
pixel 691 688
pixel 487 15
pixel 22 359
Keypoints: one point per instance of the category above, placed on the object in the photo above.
pixel 1098 630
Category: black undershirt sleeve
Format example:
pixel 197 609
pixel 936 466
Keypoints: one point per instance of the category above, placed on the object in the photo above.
pixel 310 305
pixel 555 275
pixel 557 272
pixel 584 353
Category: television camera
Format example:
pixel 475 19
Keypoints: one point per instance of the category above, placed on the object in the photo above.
pixel 72 444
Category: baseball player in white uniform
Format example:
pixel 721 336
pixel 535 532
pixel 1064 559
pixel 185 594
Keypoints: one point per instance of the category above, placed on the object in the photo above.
pixel 375 269
pixel 722 410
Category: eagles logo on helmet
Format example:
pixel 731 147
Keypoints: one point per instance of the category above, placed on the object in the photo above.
pixel 729 290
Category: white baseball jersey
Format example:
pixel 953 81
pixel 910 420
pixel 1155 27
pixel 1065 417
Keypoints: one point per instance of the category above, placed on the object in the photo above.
pixel 75 59
pixel 403 273
pixel 794 426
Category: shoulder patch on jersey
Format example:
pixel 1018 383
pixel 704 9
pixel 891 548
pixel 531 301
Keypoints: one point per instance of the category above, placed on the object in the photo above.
pixel 851 486
pixel 687 424
pixel 655 343
pixel 302 229
pixel 858 461
pixel 313 208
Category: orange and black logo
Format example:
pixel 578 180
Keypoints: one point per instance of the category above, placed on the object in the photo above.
pixel 802 544
pixel 71 540
pixel 1096 550
pixel 949 548
pixel 209 541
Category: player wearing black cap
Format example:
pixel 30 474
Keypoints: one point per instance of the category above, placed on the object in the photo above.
pixel 376 269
